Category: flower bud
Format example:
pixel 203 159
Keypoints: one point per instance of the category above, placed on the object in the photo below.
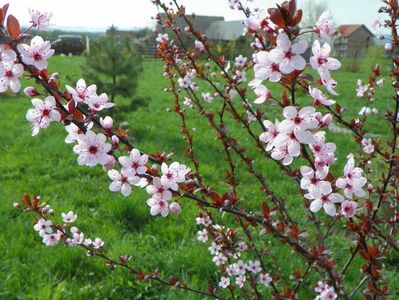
pixel 16 205
pixel 54 77
pixel 327 119
pixel 31 91
pixel 107 123
pixel 115 141
pixel 110 163
pixel 74 229
pixel 388 47
pixel 51 212
pixel 175 207
pixel 89 253
pixel 318 116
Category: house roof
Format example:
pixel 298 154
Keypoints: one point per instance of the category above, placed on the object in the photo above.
pixel 200 23
pixel 225 30
pixel 347 30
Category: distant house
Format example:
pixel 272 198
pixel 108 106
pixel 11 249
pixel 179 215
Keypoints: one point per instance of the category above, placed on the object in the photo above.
pixel 200 23
pixel 352 40
pixel 225 31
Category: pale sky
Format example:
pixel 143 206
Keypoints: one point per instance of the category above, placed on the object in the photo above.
pixel 129 14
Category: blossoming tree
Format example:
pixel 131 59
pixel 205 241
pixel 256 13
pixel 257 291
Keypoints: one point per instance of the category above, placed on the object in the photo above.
pixel 358 205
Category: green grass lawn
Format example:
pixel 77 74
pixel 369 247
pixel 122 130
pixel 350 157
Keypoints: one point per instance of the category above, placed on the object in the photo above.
pixel 45 165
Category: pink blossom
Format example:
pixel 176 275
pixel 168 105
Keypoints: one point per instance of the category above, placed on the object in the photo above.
pixel 9 76
pixel 348 208
pixel 162 38
pixel 135 162
pixel 98 243
pixel 270 134
pixel 43 227
pixel 82 92
pixel 39 19
pixel 7 55
pixel 265 279
pixel 51 239
pixel 324 26
pixel 299 123
pixel 159 189
pixel 99 102
pixel 282 153
pixel 321 286
pixel 368 146
pixel 313 180
pixel 199 45
pixel 323 152
pixel 31 91
pixel 106 122
pixel 37 53
pixel 376 24
pixel 92 149
pixel 262 93
pixel 253 266
pixel 202 235
pixel 240 281
pixel 173 174
pixel 239 268
pixel 242 246
pixel 205 220
pixel 69 217
pixel 73 133
pixel 175 208
pixel 352 181
pixel 110 164
pixel 43 114
pixel 361 89
pixel 265 69
pixel 319 98
pixel 240 61
pixel 329 83
pixel 328 294
pixel 240 76
pixel 321 60
pixel 224 281
pixel 287 54
pixel 388 47
pixel 323 197
pixel 122 181
pixel 380 82
pixel 158 206
pixel 214 249
pixel 207 97
pixel 219 259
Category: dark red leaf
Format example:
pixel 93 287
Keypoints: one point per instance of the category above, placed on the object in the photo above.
pixel 1 16
pixel 122 133
pixel 13 27
pixel 5 9
pixel 292 7
pixel 275 17
pixel 266 210
pixel 297 17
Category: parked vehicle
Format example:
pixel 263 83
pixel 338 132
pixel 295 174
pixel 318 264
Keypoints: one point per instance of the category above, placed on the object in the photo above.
pixel 68 43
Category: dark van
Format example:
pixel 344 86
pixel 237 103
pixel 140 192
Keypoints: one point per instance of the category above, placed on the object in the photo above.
pixel 68 43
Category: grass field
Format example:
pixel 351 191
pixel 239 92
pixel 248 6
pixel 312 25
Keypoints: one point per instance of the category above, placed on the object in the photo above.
pixel 45 165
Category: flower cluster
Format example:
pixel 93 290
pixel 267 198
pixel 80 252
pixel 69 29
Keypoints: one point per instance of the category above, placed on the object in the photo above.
pixel 88 95
pixel 325 291
pixel 10 70
pixel 228 255
pixel 284 138
pixel 187 82
pixel 51 233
